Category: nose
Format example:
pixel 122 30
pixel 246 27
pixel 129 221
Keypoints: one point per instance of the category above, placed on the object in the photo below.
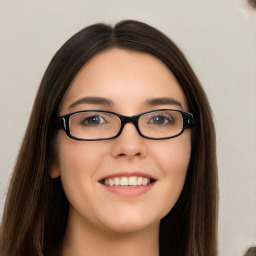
pixel 129 144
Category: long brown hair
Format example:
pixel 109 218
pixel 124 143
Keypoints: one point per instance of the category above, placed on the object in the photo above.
pixel 36 208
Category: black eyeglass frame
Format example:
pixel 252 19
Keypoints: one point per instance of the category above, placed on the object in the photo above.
pixel 62 122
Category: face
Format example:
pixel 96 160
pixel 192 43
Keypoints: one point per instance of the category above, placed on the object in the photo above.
pixel 132 83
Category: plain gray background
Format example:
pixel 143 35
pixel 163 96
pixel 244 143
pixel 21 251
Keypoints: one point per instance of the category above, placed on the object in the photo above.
pixel 219 40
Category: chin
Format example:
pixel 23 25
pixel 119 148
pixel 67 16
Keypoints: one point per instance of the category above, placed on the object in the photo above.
pixel 130 224
pixel 125 229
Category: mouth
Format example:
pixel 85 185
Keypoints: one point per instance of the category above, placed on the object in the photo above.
pixel 127 181
pixel 128 184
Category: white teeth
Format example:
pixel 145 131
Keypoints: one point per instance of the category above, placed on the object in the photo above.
pixel 124 181
pixel 127 181
pixel 133 181
pixel 117 181
pixel 111 182
pixel 145 181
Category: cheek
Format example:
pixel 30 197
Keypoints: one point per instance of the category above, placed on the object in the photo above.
pixel 78 163
pixel 76 157
pixel 78 166
pixel 172 158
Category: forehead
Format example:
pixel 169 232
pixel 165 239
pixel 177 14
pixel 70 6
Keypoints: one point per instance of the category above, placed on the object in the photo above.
pixel 126 77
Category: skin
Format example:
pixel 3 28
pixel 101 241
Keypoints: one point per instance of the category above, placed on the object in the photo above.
pixel 121 225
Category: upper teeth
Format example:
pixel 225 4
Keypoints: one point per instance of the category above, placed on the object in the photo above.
pixel 127 181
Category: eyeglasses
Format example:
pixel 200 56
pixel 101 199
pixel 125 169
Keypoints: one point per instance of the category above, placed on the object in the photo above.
pixel 94 125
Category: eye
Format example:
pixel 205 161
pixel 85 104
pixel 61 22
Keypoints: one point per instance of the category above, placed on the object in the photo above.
pixel 161 119
pixel 94 120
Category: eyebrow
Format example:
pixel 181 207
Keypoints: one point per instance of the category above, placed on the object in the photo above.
pixel 109 102
pixel 163 101
pixel 92 100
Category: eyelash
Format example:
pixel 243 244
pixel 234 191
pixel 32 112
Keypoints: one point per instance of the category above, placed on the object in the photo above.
pixel 86 119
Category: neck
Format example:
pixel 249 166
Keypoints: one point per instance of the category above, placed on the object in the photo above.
pixel 83 239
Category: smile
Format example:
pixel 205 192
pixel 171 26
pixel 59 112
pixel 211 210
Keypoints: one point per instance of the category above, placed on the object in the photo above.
pixel 128 184
pixel 127 181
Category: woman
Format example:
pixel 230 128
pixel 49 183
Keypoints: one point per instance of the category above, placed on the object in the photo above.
pixel 119 154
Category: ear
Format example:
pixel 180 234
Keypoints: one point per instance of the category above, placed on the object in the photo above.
pixel 54 171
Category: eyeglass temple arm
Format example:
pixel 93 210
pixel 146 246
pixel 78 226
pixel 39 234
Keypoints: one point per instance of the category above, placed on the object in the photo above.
pixel 59 123
pixel 192 121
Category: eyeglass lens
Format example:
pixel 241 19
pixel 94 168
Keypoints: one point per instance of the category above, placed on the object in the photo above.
pixel 102 125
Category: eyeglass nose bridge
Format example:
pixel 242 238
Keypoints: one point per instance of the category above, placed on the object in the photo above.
pixel 129 119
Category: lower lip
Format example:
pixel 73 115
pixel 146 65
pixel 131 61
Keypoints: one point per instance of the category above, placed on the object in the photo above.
pixel 129 191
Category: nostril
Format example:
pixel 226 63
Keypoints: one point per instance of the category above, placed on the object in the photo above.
pixel 123 154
